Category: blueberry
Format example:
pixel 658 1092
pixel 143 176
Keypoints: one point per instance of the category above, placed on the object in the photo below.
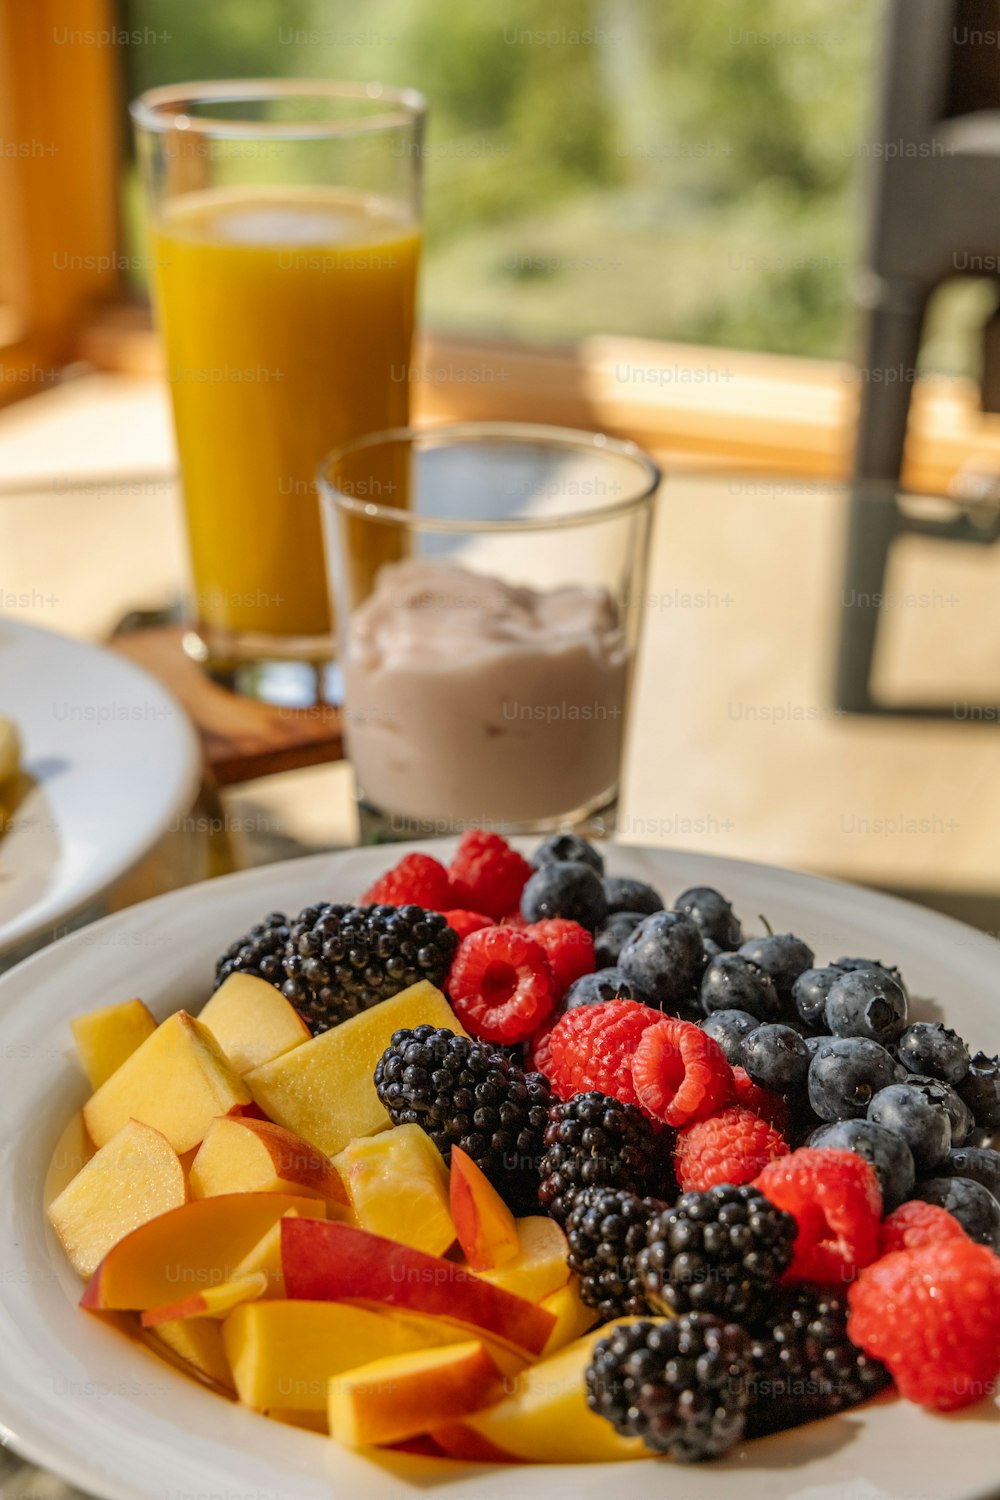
pixel 781 955
pixel 932 1049
pixel 815 1042
pixel 980 1088
pixel 624 894
pixel 845 1075
pixel 606 984
pixel 981 1164
pixel 866 1002
pixel 565 888
pixel 664 956
pixel 809 993
pixel 922 1123
pixel 776 1058
pixel 712 914
pixel 969 1202
pixel 732 982
pixel 729 1027
pixel 944 1095
pixel 851 965
pixel 887 1153
pixel 612 935
pixel 567 847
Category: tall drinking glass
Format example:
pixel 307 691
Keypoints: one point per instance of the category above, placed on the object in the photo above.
pixel 489 581
pixel 284 244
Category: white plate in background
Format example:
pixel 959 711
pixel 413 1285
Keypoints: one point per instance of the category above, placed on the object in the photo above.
pixel 110 758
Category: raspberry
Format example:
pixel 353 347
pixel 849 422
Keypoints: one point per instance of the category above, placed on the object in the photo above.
pixel 729 1147
pixel 835 1199
pixel 464 922
pixel 680 1073
pixel 568 947
pixel 538 1048
pixel 500 985
pixel 487 874
pixel 591 1048
pixel 761 1102
pixel 916 1224
pixel 932 1316
pixel 417 880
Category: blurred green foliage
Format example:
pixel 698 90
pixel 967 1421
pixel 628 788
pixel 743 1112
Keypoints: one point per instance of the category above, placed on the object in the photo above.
pixel 683 169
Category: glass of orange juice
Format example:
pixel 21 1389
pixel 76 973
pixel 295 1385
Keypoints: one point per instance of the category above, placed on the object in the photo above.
pixel 284 240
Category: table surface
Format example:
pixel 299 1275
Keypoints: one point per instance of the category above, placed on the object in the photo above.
pixel 735 747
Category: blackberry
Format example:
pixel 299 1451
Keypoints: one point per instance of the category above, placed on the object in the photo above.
pixel 466 1093
pixel 680 1386
pixel 592 1141
pixel 259 952
pixel 719 1251
pixel 804 1365
pixel 606 1229
pixel 334 961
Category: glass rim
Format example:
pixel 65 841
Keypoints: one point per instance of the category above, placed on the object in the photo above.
pixel 525 434
pixel 160 109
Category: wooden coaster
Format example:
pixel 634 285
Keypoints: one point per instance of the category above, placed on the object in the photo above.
pixel 241 738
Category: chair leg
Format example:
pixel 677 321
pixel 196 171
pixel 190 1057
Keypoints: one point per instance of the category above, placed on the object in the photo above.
pixel 887 370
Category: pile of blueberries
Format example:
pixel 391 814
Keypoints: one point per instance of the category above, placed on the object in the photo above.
pixel 836 1041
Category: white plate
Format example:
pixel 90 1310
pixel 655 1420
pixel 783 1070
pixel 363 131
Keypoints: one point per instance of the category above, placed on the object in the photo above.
pixel 76 1396
pixel 112 758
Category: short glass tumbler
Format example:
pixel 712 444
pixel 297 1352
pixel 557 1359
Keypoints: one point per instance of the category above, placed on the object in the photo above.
pixel 488 580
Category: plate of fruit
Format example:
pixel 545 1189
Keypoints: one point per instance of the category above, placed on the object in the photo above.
pixel 400 1170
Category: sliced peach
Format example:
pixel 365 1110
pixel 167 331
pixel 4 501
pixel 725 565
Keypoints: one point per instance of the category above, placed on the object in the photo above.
pixel 573 1317
pixel 284 1354
pixel 486 1228
pixel 266 1257
pixel 195 1346
pixel 324 1090
pixel 402 1395
pixel 398 1185
pixel 544 1418
pixel 133 1178
pixel 338 1263
pixel 187 1250
pixel 309 1421
pixel 252 1021
pixel 243 1155
pixel 213 1302
pixel 106 1037
pixel 540 1266
pixel 177 1081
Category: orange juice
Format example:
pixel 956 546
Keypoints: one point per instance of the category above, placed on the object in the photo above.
pixel 287 316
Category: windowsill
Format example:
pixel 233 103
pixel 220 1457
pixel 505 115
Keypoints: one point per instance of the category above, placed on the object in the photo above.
pixel 698 406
